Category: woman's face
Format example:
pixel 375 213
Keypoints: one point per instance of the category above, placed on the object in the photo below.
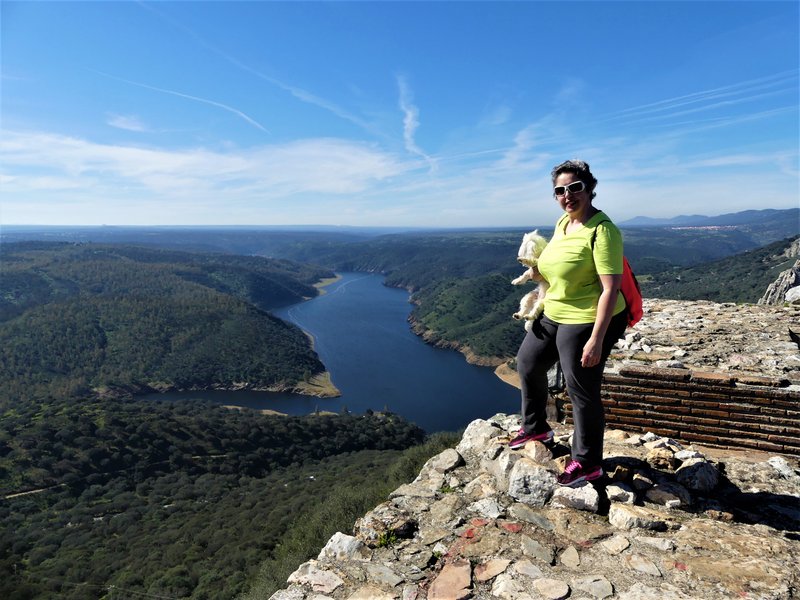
pixel 575 204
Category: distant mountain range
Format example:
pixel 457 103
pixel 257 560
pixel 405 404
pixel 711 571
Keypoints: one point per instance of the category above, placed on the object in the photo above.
pixel 747 217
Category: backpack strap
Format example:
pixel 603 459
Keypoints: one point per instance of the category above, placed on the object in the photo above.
pixel 594 231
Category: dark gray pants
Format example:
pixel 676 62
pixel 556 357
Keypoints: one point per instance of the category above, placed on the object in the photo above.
pixel 547 343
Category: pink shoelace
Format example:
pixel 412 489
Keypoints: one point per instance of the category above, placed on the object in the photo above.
pixel 573 465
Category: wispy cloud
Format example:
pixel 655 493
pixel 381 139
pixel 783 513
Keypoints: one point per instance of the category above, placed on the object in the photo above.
pixel 58 178
pixel 297 92
pixel 411 121
pixel 325 166
pixel 230 109
pixel 738 93
pixel 127 122
pixel 498 115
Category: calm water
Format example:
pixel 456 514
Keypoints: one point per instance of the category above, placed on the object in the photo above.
pixel 362 336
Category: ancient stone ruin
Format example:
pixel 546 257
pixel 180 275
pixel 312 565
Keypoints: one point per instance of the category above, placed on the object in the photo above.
pixel 669 521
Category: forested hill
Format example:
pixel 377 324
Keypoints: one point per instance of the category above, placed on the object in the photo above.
pixel 740 278
pixel 183 499
pixel 86 317
pixel 105 495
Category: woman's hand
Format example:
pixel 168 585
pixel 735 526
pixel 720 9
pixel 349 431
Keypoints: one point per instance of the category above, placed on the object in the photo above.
pixel 592 351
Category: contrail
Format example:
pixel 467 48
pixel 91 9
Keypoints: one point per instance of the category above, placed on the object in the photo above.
pixel 238 113
pixel 300 94
pixel 749 86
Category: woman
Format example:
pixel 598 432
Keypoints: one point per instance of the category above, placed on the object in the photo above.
pixel 584 316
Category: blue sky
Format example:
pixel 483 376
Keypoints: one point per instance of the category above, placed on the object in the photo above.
pixel 446 114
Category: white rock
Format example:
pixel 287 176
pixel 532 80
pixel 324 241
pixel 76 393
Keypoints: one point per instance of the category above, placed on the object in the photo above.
pixel 537 452
pixel 551 589
pixel 490 569
pixel 528 569
pixel 596 586
pixel 442 463
pixel 487 507
pixel 642 564
pixel 501 467
pixel 570 558
pixel 640 591
pixel 623 516
pixel 342 546
pixel 782 466
pixel 294 592
pixel 370 592
pixel 481 487
pixel 584 497
pixel 476 438
pixel 538 550
pixel 616 544
pixel 320 580
pixel 506 587
pixel 698 475
pixel 530 483
pixel 687 454
pixel 621 492
pixel 663 544
pixel 382 575
pixel 671 495
pixel 427 488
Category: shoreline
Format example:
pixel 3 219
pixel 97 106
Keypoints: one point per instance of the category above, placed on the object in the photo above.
pixel 319 385
pixel 323 283
pixel 507 375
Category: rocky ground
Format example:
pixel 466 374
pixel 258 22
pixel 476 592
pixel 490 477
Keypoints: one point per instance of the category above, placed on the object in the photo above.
pixel 483 521
pixel 712 336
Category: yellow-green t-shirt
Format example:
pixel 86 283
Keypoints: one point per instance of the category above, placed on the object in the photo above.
pixel 571 268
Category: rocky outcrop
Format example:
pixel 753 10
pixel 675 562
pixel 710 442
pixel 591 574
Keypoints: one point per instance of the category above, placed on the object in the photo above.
pixel 711 336
pixel 484 521
pixel 786 288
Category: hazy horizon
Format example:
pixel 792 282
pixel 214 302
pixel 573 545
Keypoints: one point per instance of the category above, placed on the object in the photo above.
pixel 393 114
pixel 321 226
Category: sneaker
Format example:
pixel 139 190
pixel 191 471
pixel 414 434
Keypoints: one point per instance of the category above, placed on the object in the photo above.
pixel 523 438
pixel 575 473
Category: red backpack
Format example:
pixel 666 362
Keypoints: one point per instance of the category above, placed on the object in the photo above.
pixel 629 288
pixel 632 293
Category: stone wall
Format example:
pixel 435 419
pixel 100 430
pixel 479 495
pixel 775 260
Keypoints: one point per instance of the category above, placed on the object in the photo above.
pixel 720 374
pixel 717 409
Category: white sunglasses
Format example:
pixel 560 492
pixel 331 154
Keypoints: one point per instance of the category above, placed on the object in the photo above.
pixel 572 188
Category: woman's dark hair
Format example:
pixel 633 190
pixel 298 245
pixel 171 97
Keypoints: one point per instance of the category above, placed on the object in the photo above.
pixel 578 168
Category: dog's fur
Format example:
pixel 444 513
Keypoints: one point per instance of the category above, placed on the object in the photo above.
pixel 532 304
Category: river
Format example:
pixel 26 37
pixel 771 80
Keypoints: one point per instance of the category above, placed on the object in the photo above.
pixel 362 335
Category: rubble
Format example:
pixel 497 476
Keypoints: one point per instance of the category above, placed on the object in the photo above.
pixel 710 336
pixel 697 525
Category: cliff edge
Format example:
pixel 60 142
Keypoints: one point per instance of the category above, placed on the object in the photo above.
pixel 482 521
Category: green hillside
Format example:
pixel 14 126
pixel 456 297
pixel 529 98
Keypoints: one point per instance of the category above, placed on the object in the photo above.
pixel 104 492
pixel 76 319
pixel 183 499
pixel 740 278
pixel 473 312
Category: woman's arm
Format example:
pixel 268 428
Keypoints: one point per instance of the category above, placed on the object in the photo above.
pixel 593 349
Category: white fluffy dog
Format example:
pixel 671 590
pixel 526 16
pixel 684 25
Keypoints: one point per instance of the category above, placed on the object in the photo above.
pixel 532 304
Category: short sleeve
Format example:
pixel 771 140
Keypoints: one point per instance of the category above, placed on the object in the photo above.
pixel 608 249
